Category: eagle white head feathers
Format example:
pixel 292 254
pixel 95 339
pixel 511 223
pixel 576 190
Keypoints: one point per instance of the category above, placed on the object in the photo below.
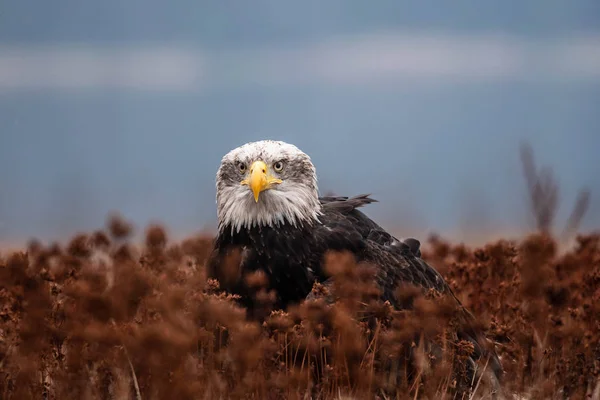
pixel 266 183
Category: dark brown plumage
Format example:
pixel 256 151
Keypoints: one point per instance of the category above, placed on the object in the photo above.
pixel 292 259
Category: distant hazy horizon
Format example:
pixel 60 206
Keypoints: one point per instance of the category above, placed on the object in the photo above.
pixel 129 107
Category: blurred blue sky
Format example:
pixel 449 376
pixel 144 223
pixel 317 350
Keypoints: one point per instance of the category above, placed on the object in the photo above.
pixel 129 106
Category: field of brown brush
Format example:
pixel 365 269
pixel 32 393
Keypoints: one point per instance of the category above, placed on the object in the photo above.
pixel 99 318
pixel 103 318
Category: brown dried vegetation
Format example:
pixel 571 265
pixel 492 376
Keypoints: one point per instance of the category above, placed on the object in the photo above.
pixel 99 318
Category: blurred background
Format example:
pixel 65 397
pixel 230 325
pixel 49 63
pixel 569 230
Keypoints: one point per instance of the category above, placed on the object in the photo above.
pixel 129 106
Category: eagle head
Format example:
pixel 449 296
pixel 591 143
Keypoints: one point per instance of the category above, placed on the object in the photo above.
pixel 266 183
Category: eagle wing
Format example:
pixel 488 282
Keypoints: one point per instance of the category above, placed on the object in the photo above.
pixel 398 262
pixel 368 228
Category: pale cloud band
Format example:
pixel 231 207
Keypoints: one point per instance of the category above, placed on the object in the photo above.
pixel 346 60
pixel 79 67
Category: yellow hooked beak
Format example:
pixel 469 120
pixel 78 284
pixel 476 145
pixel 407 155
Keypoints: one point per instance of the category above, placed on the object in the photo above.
pixel 259 179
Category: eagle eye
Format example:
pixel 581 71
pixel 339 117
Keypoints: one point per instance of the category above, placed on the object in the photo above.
pixel 241 166
pixel 278 166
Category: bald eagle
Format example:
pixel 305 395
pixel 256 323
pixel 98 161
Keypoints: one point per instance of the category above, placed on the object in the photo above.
pixel 268 207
